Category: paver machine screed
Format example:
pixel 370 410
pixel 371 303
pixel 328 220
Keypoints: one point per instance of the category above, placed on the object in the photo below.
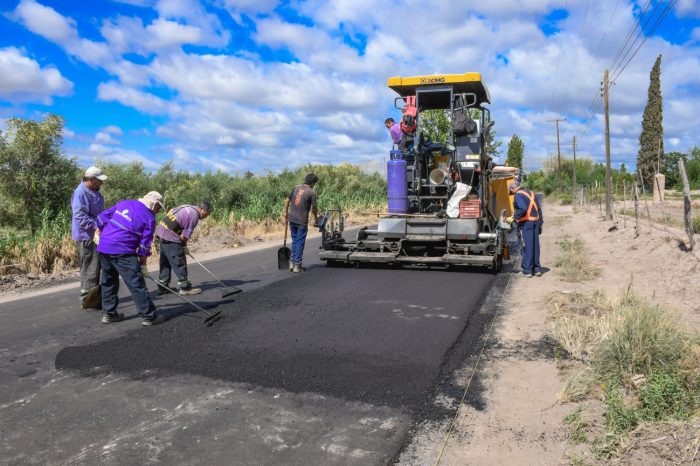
pixel 445 206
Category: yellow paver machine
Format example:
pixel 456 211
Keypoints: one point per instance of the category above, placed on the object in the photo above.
pixel 447 200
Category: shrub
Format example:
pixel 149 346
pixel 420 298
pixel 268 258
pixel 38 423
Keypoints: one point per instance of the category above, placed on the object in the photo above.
pixel 641 340
pixel 574 262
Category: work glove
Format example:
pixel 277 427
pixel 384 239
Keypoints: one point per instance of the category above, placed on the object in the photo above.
pixel 186 250
pixel 144 272
pixel 96 239
pixel 509 219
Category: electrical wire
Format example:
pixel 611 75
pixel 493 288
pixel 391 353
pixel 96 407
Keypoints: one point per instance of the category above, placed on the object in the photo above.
pixel 561 40
pixel 651 31
pixel 580 40
pixel 617 66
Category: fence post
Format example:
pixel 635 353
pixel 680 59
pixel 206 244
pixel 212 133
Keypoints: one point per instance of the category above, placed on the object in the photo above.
pixel 646 203
pixel 624 203
pixel 686 205
pixel 635 194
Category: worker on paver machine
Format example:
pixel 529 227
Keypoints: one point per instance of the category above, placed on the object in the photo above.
pixel 173 232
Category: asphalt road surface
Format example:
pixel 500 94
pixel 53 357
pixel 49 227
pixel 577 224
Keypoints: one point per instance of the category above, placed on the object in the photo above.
pixel 332 366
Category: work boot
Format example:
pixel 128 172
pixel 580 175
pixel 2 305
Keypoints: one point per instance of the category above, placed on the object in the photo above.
pixel 298 268
pixel 189 291
pixel 161 289
pixel 111 318
pixel 538 274
pixel 291 266
pixel 527 275
pixel 157 320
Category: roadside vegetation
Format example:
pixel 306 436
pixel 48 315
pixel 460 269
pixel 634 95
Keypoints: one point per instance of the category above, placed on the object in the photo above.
pixel 35 216
pixel 573 261
pixel 636 357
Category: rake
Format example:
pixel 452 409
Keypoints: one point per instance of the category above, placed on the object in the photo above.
pixel 225 290
pixel 208 321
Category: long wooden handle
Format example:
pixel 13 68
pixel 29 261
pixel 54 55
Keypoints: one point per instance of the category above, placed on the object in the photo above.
pixel 286 224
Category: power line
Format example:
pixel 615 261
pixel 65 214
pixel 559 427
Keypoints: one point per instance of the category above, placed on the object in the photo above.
pixel 580 39
pixel 641 32
pixel 561 40
pixel 597 99
pixel 651 31
pixel 619 67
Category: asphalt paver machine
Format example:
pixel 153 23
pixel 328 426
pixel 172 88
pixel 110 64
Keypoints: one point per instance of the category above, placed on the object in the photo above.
pixel 446 201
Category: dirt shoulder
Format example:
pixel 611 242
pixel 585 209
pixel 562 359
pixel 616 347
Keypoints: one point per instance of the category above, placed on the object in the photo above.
pixel 519 419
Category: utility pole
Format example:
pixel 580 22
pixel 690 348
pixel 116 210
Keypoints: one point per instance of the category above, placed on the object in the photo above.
pixel 608 171
pixel 556 121
pixel 574 180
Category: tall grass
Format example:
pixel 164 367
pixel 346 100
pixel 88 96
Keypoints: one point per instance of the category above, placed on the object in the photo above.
pixel 642 356
pixel 49 250
pixel 246 205
pixel 574 262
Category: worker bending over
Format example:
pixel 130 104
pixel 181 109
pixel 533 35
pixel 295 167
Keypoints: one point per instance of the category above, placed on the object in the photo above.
pixel 173 232
pixel 527 212
pixel 124 246
pixel 302 199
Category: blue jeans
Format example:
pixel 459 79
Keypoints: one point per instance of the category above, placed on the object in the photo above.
pixel 172 258
pixel 298 241
pixel 530 234
pixel 128 266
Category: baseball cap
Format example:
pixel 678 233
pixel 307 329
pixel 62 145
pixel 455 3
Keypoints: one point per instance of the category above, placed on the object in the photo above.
pixel 94 172
pixel 151 199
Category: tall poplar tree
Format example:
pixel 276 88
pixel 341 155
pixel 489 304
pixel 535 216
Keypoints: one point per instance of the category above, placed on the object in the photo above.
pixel 516 152
pixel 652 128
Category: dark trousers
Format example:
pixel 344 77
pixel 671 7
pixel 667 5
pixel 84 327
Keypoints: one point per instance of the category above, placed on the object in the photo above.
pixel 172 258
pixel 89 266
pixel 128 267
pixel 298 241
pixel 530 236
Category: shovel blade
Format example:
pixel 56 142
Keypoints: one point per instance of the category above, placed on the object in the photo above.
pixel 283 256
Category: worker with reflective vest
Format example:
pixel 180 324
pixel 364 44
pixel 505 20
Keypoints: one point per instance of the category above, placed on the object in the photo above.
pixel 527 212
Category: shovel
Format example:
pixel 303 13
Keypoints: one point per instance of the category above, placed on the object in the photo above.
pixel 225 290
pixel 283 253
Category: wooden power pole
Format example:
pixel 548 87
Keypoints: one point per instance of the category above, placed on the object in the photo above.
pixel 556 121
pixel 608 171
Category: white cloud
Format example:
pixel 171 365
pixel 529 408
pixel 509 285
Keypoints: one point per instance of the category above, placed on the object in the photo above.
pixel 140 100
pixel 689 8
pixel 23 79
pixel 48 23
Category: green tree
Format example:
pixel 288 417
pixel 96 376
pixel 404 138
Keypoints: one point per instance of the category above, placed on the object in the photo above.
pixel 516 152
pixel 652 128
pixel 34 173
pixel 670 168
pixel 435 125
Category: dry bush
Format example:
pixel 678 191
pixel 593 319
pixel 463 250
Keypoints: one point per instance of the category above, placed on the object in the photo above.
pixel 573 261
pixel 578 383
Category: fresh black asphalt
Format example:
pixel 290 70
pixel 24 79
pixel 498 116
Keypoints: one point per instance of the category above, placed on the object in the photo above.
pixel 332 366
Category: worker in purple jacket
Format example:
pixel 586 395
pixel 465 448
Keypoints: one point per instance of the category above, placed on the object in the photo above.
pixel 124 246
pixel 394 130
pixel 86 203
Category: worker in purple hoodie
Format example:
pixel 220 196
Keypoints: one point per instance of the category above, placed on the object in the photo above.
pixel 124 246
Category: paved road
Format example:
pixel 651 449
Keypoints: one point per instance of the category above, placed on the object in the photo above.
pixel 332 366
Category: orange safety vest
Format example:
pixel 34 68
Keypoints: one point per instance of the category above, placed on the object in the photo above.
pixel 533 206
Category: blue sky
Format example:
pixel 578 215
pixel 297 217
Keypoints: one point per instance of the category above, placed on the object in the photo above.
pixel 238 85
